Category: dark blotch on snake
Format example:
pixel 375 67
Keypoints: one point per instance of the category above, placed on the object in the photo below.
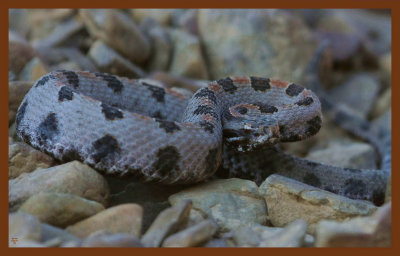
pixel 167 160
pixel 209 127
pixel 157 115
pixel 106 146
pixel 207 93
pixel 72 78
pixel 312 179
pixel 294 90
pixel 227 85
pixel 305 102
pixel 355 187
pixel 378 197
pixel 314 125
pixel 111 113
pixel 266 108
pixel 21 113
pixel 44 80
pixel 156 92
pixel 260 84
pixel 168 126
pixel 287 136
pixel 65 93
pixel 71 154
pixel 48 129
pixel 241 110
pixel 202 110
pixel 112 82
pixel 212 160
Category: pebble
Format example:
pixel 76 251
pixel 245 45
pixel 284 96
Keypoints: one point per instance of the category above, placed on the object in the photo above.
pixel 124 218
pixel 342 46
pixel 291 236
pixel 19 54
pixel 346 154
pixel 162 16
pixel 373 231
pixel 112 240
pixel 167 222
pixel 289 200
pixel 177 81
pixel 16 93
pixel 230 202
pixel 238 42
pixel 72 178
pixel 22 158
pixel 33 70
pixel 109 61
pixel 187 59
pixel 23 227
pixel 49 233
pixel 382 106
pixel 109 24
pixel 193 236
pixel 60 209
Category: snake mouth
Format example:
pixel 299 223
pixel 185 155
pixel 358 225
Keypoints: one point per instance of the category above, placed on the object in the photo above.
pixel 244 140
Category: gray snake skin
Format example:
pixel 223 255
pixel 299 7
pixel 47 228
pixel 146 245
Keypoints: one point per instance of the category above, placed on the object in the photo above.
pixel 131 127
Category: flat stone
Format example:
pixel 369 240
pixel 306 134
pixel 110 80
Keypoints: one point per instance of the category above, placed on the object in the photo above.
pixel 16 93
pixel 289 200
pixel 22 158
pixel 108 60
pixel 291 236
pixel 112 240
pixel 23 227
pixel 187 59
pixel 60 209
pixel 72 178
pixel 230 202
pixel 192 236
pixel 124 218
pixel 117 30
pixel 167 222
pixel 373 231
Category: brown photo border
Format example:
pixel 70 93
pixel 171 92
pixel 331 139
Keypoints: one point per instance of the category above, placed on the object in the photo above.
pixel 394 5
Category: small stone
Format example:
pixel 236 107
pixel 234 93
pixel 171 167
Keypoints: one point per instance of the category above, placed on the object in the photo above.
pixel 289 200
pixel 192 236
pixel 19 54
pixel 33 70
pixel 162 16
pixel 218 243
pixel 167 222
pixel 291 236
pixel 383 105
pixel 60 209
pixel 23 227
pixel 177 81
pixel 112 240
pixel 124 218
pixel 187 59
pixel 108 60
pixel 50 232
pixel 373 231
pixel 357 155
pixel 16 93
pixel 117 30
pixel 22 158
pixel 72 178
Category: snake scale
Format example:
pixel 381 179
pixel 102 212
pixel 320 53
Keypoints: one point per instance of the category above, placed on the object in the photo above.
pixel 132 127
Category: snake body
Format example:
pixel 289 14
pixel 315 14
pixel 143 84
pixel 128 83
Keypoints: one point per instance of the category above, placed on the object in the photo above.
pixel 132 127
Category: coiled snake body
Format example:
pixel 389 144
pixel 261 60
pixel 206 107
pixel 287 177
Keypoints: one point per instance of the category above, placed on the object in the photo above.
pixel 121 126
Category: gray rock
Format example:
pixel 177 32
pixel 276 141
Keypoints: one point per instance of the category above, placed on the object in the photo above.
pixel 19 54
pixel 177 81
pixel 289 200
pixel 49 233
pixel 167 222
pixel 18 20
pixel 345 154
pixel 108 60
pixel 60 209
pixel 16 92
pixel 383 112
pixel 238 42
pixel 192 236
pixel 117 30
pixel 22 158
pixel 33 70
pixel 162 16
pixel 230 202
pixel 112 240
pixel 124 218
pixel 23 227
pixel 373 231
pixel 72 178
pixel 187 59
pixel 291 236
pixel 218 243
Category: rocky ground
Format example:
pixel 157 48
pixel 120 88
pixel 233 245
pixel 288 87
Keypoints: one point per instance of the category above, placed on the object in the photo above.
pixel 55 204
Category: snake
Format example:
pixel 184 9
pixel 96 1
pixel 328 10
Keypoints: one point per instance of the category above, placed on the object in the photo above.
pixel 230 127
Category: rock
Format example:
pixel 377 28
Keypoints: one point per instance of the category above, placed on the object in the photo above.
pixel 342 46
pixel 18 21
pixel 33 70
pixel 23 227
pixel 19 54
pixel 187 59
pixel 382 106
pixel 192 236
pixel 238 42
pixel 218 243
pixel 124 218
pixel 16 92
pixel 358 93
pixel 108 60
pixel 112 240
pixel 291 236
pixel 373 231
pixel 167 222
pixel 162 16
pixel 385 65
pixel 230 202
pixel 60 209
pixel 72 178
pixel 49 233
pixel 289 200
pixel 188 21
pixel 357 155
pixel 22 158
pixel 117 30
pixel 177 81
